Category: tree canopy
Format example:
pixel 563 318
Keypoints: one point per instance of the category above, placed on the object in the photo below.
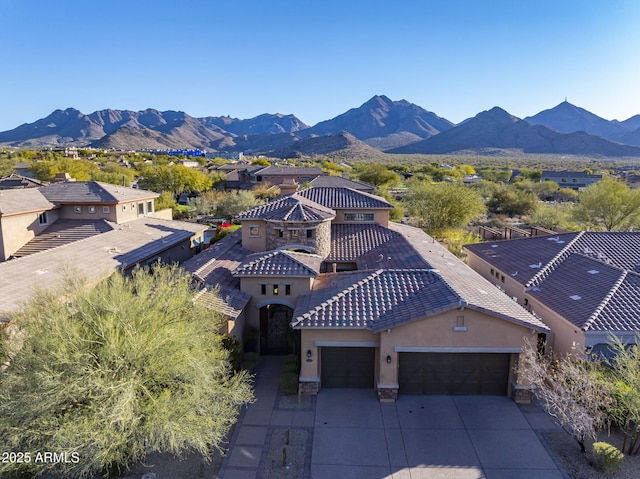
pixel 112 372
pixel 439 206
pixel 175 178
pixel 608 204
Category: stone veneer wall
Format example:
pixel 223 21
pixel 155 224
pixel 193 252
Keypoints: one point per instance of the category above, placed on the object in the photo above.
pixel 321 241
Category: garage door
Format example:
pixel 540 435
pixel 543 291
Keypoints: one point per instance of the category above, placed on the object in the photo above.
pixel 454 373
pixel 347 367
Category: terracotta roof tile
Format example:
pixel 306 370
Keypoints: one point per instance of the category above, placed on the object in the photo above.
pixel 280 263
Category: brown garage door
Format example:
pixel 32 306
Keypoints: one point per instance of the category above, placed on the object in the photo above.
pixel 347 367
pixel 454 373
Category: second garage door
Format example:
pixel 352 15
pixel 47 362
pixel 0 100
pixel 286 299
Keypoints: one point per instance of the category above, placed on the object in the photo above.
pixel 347 367
pixel 454 373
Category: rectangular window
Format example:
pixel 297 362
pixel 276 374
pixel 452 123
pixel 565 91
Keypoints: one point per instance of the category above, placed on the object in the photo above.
pixel 105 209
pixel 502 278
pixel 77 209
pixel 275 290
pixel 358 216
pixel 140 209
pixel 263 289
pixel 309 234
pixel 280 233
pixel 294 234
pixel 287 290
pixel 92 210
pixel 149 206
pixel 42 218
pixel 491 271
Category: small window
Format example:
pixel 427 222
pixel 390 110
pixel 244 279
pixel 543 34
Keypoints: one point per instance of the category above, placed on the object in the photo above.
pixel 358 216
pixel 502 278
pixel 149 206
pixel 258 178
pixel 263 289
pixel 526 301
pixel 140 209
pixel 564 180
pixel 77 209
pixel 92 210
pixel 295 234
pixel 124 207
pixel 287 290
pixel 575 180
pixel 42 218
pixel 309 234
pixel 275 290
pixel 280 233
pixel 492 271
pixel 105 209
pixel 254 231
pixel 133 206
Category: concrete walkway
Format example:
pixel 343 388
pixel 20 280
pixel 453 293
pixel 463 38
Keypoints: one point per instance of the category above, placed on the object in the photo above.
pixel 348 434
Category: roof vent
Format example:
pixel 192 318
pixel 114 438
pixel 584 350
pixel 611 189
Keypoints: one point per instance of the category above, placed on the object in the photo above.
pixel 535 266
pixel 494 245
pixel 575 297
pixel 593 271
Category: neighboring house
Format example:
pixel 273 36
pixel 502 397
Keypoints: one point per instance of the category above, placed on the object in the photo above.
pixel 238 176
pixel 633 181
pixel 14 181
pixel 90 228
pixel 276 175
pixel 342 182
pixel 367 303
pixel 577 180
pixel 585 286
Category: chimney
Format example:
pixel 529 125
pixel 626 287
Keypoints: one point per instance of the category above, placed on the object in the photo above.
pixel 345 175
pixel 288 186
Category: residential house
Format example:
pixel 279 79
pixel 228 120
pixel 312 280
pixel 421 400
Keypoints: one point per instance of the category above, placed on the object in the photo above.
pixel 277 175
pixel 585 286
pixel 366 302
pixel 91 228
pixel 577 180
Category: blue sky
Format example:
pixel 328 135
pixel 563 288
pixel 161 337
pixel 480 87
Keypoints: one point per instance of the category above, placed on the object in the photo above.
pixel 317 59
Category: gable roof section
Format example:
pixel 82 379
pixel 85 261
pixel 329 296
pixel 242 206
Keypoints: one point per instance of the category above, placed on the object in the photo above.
pixel 23 200
pixel 620 310
pixel 345 198
pixel 349 241
pixel 18 181
pixel 93 192
pixel 378 300
pixel 280 263
pixel 214 267
pixel 477 291
pixel 293 207
pixel 340 182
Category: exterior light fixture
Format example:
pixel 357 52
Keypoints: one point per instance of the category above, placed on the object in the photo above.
pixel 388 359
pixel 308 353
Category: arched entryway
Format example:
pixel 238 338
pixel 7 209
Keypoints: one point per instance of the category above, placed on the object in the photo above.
pixel 276 334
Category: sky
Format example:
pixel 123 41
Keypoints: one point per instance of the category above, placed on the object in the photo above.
pixel 317 59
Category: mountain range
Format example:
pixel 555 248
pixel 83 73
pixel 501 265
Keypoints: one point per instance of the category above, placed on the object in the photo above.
pixel 378 127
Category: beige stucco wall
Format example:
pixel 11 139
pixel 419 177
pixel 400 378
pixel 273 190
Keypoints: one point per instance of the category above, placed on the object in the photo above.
pixel 252 286
pixel 565 338
pixel 510 286
pixel 118 213
pixel 251 242
pixel 18 230
pixel 379 216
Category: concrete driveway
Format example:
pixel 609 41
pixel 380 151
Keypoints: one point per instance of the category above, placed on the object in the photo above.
pixel 434 437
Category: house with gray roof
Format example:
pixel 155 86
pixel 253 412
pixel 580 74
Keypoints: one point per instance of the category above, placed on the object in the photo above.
pixel 576 180
pixel 364 302
pixel 583 285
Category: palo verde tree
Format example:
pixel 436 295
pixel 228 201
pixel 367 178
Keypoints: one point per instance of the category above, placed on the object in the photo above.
pixel 609 204
pixel 175 178
pixel 111 372
pixel 439 206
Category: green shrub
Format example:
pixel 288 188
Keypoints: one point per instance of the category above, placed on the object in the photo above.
pixel 249 361
pixel 232 344
pixel 289 383
pixel 291 359
pixel 606 458
pixel 290 368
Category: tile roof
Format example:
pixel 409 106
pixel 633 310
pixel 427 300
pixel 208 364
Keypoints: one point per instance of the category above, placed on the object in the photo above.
pixel 63 231
pixel 529 260
pixel 23 200
pixel 93 192
pixel 379 300
pixel 18 181
pixel 592 295
pixel 280 263
pixel 291 170
pixel 96 257
pixel 214 267
pixel 340 182
pixel 479 293
pixel 293 207
pixel 351 241
pixel 344 198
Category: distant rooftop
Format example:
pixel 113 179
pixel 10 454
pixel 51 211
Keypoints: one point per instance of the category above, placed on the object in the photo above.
pixel 340 182
pixel 93 192
pixel 18 181
pixel 344 198
pixel 280 263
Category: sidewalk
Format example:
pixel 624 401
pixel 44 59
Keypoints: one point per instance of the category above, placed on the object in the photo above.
pixel 274 422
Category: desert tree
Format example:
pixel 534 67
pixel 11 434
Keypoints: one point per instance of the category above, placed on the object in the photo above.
pixel 114 371
pixel 608 204
pixel 235 202
pixel 570 390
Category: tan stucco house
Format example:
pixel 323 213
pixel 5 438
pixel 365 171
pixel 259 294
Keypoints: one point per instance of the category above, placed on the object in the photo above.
pixel 364 301
pixel 585 286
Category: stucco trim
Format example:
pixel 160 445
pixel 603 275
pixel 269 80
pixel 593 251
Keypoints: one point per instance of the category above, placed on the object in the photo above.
pixel 387 386
pixel 439 349
pixel 347 344
pixel 309 380
pixel 275 301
